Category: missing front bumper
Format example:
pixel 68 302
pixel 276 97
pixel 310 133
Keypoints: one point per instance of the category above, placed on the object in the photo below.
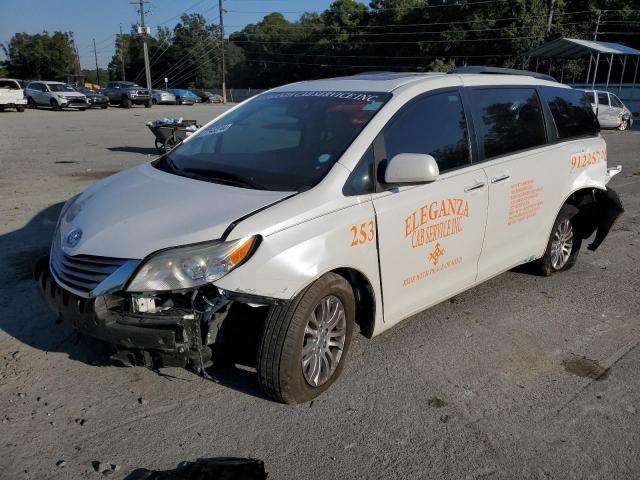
pixel 172 338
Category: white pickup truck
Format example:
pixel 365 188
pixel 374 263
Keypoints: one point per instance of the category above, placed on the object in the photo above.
pixel 11 95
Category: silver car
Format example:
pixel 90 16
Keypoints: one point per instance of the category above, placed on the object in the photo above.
pixel 56 95
pixel 611 112
pixel 161 96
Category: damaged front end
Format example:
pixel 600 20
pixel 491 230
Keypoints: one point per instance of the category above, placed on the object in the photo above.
pixel 598 210
pixel 165 329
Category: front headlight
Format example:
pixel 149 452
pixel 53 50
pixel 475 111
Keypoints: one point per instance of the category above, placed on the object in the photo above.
pixel 191 266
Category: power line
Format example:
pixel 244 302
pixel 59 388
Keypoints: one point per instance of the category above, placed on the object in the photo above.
pixel 496 39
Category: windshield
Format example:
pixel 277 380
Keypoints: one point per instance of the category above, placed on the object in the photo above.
pixel 284 141
pixel 60 87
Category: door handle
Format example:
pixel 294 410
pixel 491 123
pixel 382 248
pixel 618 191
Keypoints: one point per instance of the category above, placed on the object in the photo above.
pixel 475 186
pixel 501 178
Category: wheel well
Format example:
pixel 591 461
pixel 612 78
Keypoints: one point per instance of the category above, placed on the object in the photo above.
pixel 586 200
pixel 365 299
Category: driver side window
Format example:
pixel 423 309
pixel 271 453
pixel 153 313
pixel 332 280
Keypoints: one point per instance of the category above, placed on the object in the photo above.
pixel 434 125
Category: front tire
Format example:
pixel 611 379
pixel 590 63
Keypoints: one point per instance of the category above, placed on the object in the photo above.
pixel 148 103
pixel 564 243
pixel 624 124
pixel 20 108
pixel 304 342
pixel 126 102
pixel 55 106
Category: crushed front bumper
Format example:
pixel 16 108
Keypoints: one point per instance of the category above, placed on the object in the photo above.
pixel 158 340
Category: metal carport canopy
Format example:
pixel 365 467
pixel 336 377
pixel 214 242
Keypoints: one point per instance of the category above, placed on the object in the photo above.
pixel 574 48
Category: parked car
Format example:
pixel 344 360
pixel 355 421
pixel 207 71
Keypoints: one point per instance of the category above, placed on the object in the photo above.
pixel 94 98
pixel 57 95
pixel 611 112
pixel 326 206
pixel 12 95
pixel 127 94
pixel 205 97
pixel 215 98
pixel 161 96
pixel 183 96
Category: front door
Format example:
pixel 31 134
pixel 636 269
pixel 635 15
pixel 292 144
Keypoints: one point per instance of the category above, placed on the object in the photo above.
pixel 430 235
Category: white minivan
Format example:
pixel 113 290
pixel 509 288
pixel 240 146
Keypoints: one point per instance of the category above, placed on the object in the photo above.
pixel 330 205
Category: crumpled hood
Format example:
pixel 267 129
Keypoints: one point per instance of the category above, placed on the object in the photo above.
pixel 141 210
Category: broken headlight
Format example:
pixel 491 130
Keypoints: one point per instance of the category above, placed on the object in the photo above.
pixel 191 266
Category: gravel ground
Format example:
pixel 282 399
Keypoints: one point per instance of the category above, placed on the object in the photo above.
pixel 495 383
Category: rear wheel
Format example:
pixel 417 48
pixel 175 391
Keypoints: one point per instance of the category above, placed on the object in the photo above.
pixel 104 107
pixel 154 101
pixel 31 103
pixel 304 342
pixel 20 108
pixel 564 244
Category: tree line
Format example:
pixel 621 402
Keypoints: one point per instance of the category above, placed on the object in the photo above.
pixel 346 38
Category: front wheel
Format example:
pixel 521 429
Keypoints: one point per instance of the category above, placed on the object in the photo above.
pixel 624 124
pixel 564 243
pixel 304 342
pixel 148 103
pixel 126 102
pixel 20 108
pixel 31 103
pixel 55 105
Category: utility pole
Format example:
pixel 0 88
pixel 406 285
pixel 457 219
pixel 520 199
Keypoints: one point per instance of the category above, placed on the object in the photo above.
pixel 143 30
pixel 224 88
pixel 595 33
pixel 95 54
pixel 553 2
pixel 122 53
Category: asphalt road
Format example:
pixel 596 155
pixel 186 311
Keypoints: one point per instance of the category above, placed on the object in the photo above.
pixel 495 383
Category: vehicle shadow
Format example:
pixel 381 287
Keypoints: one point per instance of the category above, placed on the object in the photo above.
pixel 140 150
pixel 223 468
pixel 27 318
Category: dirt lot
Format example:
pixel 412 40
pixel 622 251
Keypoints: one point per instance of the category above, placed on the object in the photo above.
pixel 522 377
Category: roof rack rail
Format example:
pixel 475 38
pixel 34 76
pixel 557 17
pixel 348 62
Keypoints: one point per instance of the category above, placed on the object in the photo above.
pixel 502 71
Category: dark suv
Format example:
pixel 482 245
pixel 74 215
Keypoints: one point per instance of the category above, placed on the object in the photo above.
pixel 127 94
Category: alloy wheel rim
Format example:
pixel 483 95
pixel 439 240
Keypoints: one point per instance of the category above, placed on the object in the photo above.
pixel 562 245
pixel 324 340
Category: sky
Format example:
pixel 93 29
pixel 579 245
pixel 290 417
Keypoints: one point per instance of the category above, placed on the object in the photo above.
pixel 101 20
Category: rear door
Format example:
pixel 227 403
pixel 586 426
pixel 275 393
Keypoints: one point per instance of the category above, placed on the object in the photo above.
pixel 512 141
pixel 429 235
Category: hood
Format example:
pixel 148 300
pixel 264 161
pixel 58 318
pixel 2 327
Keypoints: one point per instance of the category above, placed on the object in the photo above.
pixel 141 210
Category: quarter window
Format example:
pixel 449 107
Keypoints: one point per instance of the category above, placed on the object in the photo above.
pixel 509 120
pixel 433 125
pixel 572 112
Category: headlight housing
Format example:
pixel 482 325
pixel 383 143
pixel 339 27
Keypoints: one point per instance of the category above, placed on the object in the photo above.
pixel 192 266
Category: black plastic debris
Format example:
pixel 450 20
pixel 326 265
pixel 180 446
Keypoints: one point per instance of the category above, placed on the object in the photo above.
pixel 223 468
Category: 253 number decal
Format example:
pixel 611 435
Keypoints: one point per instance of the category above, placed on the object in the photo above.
pixel 366 233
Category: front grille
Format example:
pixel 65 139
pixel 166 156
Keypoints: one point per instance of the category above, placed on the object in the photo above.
pixel 77 100
pixel 82 273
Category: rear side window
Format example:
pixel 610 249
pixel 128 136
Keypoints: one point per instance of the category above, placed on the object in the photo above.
pixel 509 120
pixel 603 99
pixel 433 125
pixel 571 111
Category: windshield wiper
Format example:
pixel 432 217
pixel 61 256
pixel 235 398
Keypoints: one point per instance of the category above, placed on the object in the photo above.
pixel 223 177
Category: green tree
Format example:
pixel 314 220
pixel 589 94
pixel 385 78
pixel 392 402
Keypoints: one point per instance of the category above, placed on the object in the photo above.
pixel 40 56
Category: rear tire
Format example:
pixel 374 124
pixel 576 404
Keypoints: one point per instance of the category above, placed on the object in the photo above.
pixel 104 107
pixel 564 244
pixel 20 108
pixel 304 342
pixel 31 103
pixel 154 101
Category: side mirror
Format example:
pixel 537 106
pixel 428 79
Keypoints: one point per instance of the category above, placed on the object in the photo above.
pixel 411 168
